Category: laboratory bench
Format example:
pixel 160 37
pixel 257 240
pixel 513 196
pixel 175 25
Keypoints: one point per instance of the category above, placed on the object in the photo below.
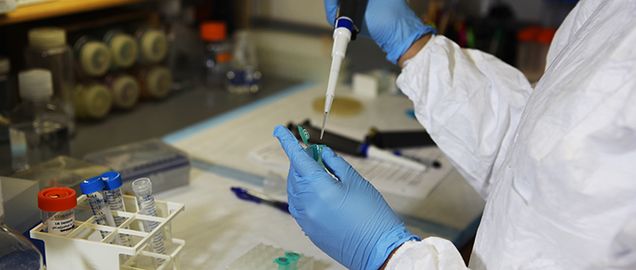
pixel 221 132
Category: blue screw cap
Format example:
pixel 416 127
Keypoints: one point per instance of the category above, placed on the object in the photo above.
pixel 112 180
pixel 92 185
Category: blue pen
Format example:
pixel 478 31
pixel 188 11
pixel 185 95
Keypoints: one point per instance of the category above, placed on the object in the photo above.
pixel 245 195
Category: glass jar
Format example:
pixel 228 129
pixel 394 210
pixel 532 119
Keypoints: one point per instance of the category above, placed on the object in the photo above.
pixel 48 50
pixel 16 252
pixel 244 75
pixel 217 54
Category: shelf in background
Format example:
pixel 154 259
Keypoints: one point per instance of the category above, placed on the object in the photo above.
pixel 56 8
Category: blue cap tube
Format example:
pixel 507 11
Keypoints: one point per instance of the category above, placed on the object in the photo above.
pixel 112 180
pixel 92 185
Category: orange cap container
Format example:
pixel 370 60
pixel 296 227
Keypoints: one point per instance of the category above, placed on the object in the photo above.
pixel 213 31
pixel 57 199
pixel 528 34
pixel 546 35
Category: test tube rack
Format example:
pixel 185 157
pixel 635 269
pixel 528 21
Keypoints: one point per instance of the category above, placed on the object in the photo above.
pixel 84 248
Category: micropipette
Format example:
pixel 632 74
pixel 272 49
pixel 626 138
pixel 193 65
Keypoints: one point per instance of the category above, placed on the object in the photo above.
pixel 347 27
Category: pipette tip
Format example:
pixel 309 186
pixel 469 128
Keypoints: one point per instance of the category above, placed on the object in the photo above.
pixel 324 121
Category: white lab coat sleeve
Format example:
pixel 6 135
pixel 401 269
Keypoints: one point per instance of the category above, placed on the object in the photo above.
pixel 432 253
pixel 469 101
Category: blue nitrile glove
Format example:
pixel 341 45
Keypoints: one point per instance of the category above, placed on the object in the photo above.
pixel 392 24
pixel 348 218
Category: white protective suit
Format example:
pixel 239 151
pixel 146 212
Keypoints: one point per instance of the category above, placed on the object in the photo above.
pixel 556 164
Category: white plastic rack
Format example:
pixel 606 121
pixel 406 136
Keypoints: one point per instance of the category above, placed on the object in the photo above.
pixel 84 248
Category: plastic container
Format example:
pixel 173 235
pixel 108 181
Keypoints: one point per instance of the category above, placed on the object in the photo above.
pixel 155 82
pixel 244 76
pixel 123 48
pixel 39 127
pixel 167 166
pixel 124 90
pixel 20 209
pixel 217 54
pixel 93 57
pixel 58 209
pixel 61 171
pixel 92 101
pixel 48 50
pixel 115 200
pixel 84 248
pixel 153 46
pixel 16 252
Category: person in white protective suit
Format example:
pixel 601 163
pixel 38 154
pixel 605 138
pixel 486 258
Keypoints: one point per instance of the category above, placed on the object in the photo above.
pixel 556 163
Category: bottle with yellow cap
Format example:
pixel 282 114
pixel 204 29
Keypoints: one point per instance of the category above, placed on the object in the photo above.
pixel 123 48
pixel 92 100
pixel 153 45
pixel 93 57
pixel 124 89
pixel 48 49
pixel 155 82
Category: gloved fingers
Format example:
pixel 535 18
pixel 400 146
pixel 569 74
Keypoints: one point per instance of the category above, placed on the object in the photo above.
pixel 294 190
pixel 302 163
pixel 331 10
pixel 338 166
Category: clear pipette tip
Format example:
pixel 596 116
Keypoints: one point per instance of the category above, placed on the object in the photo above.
pixel 324 121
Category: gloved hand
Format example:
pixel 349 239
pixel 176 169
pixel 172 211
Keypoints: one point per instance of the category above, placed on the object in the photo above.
pixel 392 24
pixel 347 218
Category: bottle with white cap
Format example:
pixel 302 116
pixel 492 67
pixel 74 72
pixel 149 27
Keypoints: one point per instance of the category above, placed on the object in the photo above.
pixel 92 57
pixel 48 49
pixel 39 128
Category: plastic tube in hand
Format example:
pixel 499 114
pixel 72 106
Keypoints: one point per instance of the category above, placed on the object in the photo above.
pixel 93 189
pixel 146 202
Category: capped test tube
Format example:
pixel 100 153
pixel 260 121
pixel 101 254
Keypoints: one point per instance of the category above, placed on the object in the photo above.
pixel 293 259
pixel 283 263
pixel 93 187
pixel 115 200
pixel 146 202
pixel 58 209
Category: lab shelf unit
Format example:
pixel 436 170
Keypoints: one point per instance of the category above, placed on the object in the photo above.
pixel 49 9
pixel 84 248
